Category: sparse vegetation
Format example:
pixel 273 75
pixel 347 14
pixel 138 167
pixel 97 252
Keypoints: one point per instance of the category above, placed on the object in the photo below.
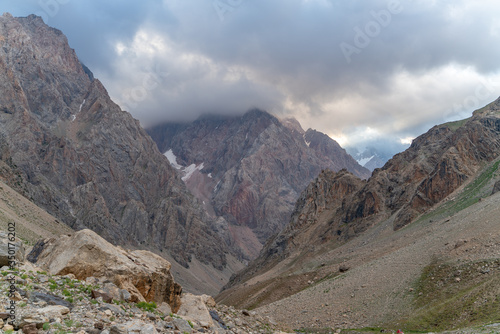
pixel 456 296
pixel 469 196
pixel 454 126
pixel 149 307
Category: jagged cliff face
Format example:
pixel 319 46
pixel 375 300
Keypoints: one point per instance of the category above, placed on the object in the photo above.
pixel 337 207
pixel 82 158
pixel 254 169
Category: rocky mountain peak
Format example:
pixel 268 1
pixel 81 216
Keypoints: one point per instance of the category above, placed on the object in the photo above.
pixel 84 160
pixel 249 170
pixel 292 124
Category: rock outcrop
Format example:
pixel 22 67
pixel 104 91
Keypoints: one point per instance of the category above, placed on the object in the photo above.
pixel 84 314
pixel 146 276
pixel 74 153
pixel 250 169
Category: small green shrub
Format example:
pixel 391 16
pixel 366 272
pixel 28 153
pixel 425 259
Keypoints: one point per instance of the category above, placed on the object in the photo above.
pixel 149 307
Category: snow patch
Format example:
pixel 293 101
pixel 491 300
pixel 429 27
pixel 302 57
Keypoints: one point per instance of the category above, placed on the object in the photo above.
pixel 209 175
pixel 73 117
pixel 81 105
pixel 305 141
pixel 364 161
pixel 189 170
pixel 172 159
pixel 217 185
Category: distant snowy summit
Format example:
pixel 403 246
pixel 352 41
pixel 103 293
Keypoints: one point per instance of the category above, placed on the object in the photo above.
pixel 370 158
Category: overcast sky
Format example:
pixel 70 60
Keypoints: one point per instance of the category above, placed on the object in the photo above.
pixel 376 72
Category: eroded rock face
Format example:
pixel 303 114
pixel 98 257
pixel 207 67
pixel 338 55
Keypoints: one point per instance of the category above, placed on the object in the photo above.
pixel 85 161
pixel 254 169
pixel 146 276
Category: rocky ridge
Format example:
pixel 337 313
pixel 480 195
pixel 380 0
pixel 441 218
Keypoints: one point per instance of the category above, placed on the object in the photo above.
pixel 74 153
pixel 444 171
pixel 337 206
pixel 250 170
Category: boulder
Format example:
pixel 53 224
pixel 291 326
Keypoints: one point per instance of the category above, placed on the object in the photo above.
pixel 164 309
pixel 30 329
pixel 344 267
pixel 101 294
pixel 209 300
pixel 34 319
pixel 133 327
pixel 194 308
pixel 125 295
pixel 113 308
pixel 4 249
pixel 53 311
pixel 182 325
pixel 146 276
pixel 49 299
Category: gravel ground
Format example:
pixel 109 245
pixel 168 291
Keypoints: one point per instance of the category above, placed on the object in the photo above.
pixel 385 266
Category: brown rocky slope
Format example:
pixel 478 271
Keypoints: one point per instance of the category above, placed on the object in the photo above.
pixel 337 209
pixel 251 169
pixel 88 163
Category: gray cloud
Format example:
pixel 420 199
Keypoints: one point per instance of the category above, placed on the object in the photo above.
pixel 411 64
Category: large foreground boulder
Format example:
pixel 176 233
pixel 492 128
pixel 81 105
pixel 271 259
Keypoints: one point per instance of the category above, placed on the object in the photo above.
pixel 194 308
pixel 146 276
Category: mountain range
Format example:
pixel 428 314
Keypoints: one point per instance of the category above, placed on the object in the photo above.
pixel 250 169
pixel 66 146
pixel 344 227
pixel 414 244
pixel 369 158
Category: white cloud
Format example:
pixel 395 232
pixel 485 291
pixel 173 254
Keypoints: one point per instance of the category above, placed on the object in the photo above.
pixel 174 60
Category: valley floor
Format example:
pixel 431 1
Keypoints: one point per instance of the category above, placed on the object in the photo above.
pixel 385 282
